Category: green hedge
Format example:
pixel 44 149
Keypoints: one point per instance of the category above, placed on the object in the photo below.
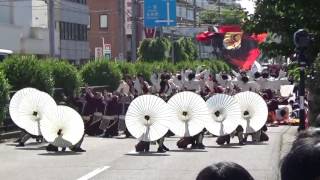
pixel 4 95
pixel 126 68
pixel 65 76
pixel 45 74
pixel 27 71
pixel 102 72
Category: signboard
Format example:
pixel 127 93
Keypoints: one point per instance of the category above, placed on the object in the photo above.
pixel 128 16
pixel 159 13
pixel 107 51
pixel 98 52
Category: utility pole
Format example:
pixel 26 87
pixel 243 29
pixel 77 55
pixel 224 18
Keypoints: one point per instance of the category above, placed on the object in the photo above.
pixel 194 13
pixel 172 50
pixel 134 31
pixel 219 11
pixel 51 27
pixel 122 24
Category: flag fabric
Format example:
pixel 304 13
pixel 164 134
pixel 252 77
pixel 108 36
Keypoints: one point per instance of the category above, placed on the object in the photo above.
pixel 231 43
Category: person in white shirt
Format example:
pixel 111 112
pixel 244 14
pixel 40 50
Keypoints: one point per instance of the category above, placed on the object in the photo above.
pixel 178 81
pixel 155 80
pixel 141 86
pixel 192 84
pixel 123 88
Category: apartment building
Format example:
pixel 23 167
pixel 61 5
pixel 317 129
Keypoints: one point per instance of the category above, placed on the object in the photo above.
pixel 24 28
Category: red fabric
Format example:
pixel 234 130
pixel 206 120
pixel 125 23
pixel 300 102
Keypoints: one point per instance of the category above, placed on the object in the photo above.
pixel 245 55
pixel 204 36
pixel 229 28
pixel 245 63
pixel 260 38
pixel 150 32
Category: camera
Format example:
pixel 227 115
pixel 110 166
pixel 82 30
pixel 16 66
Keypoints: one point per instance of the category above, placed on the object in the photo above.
pixel 302 39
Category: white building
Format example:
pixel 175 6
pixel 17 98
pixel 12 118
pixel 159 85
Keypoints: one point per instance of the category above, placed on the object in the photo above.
pixel 24 28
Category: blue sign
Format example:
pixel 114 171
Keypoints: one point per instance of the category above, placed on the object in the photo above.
pixel 160 13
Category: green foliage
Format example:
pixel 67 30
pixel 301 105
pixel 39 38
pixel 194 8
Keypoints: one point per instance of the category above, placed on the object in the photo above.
pixel 102 72
pixel 293 71
pixel 27 71
pixel 65 76
pixel 143 51
pixel 283 18
pixel 313 85
pixel 179 52
pixel 163 67
pixel 154 49
pixel 228 15
pixel 145 69
pixel 185 50
pixel 189 47
pixel 4 95
pixel 126 68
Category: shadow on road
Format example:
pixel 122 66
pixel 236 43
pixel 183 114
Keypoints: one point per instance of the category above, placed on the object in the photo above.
pixel 69 153
pixel 28 144
pixel 147 154
pixel 231 146
pixel 30 148
pixel 256 143
pixel 188 150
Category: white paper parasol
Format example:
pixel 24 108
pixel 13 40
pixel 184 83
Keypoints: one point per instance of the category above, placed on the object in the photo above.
pixel 191 113
pixel 32 109
pixel 148 118
pixel 16 100
pixel 63 130
pixel 254 111
pixel 226 114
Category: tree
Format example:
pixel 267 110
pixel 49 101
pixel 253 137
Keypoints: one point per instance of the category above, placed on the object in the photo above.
pixel 101 73
pixel 27 71
pixel 154 49
pixel 4 95
pixel 283 18
pixel 65 76
pixel 185 49
pixel 227 15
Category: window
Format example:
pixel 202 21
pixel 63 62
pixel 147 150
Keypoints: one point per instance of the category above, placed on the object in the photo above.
pixel 89 24
pixel 72 31
pixel 104 21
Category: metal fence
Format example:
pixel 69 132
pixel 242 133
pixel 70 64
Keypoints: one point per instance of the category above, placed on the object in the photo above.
pixel 8 125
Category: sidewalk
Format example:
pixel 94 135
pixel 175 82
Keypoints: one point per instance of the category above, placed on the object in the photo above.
pixel 287 138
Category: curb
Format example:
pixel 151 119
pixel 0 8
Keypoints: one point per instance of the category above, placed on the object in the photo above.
pixel 287 137
pixel 9 135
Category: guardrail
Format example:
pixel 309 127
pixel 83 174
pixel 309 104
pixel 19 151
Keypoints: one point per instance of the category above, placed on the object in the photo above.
pixel 8 124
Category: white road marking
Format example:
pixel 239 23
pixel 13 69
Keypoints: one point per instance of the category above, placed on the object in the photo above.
pixel 133 152
pixel 94 173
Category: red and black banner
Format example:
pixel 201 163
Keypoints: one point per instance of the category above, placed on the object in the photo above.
pixel 232 44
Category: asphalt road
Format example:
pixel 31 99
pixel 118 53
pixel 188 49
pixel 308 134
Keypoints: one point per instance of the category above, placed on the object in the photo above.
pixel 115 159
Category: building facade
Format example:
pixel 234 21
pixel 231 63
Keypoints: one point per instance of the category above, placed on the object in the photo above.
pixel 72 20
pixel 111 24
pixel 24 28
pixel 107 26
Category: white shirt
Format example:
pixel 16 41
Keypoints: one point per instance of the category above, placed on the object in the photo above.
pixel 123 88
